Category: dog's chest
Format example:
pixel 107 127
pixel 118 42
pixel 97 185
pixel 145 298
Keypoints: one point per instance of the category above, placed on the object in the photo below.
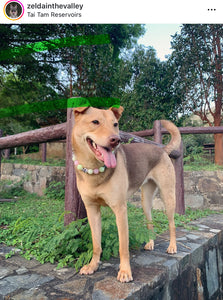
pixel 91 193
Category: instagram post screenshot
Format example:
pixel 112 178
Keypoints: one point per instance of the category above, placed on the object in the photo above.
pixel 111 150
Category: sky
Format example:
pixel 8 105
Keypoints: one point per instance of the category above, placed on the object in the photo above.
pixel 159 36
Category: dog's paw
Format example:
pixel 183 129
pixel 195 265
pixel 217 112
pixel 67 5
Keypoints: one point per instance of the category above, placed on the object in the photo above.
pixel 88 269
pixel 125 276
pixel 149 245
pixel 172 249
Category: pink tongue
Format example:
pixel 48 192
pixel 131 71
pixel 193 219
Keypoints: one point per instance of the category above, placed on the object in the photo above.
pixel 108 157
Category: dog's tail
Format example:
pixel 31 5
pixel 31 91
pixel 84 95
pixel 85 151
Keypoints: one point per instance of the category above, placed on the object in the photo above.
pixel 175 141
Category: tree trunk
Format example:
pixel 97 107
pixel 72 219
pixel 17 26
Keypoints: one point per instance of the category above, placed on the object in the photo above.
pixel 218 138
pixel 218 85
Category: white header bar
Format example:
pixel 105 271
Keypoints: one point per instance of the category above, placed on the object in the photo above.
pixel 115 11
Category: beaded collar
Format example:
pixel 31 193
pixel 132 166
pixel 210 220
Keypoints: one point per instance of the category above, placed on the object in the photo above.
pixel 85 170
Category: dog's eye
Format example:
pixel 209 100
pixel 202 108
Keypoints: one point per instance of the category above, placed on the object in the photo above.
pixel 115 124
pixel 95 122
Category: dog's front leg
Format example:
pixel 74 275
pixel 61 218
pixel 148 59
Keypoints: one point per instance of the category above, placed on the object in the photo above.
pixel 125 273
pixel 94 219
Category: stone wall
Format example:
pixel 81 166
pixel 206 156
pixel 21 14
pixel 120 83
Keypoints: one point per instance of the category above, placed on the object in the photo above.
pixel 203 189
pixel 36 178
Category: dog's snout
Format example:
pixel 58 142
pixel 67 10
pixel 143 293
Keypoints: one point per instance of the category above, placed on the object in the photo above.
pixel 114 140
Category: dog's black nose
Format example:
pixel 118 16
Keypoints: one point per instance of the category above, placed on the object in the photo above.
pixel 114 140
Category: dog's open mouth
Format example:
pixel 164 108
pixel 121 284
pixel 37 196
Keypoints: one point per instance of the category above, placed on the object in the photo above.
pixel 104 154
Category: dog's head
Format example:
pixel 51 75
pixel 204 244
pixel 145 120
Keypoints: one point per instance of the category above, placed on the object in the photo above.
pixel 97 131
pixel 13 10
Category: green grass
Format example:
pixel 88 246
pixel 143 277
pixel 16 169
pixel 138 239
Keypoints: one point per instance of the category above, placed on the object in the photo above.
pixel 199 162
pixel 35 225
pixel 30 161
pixel 199 167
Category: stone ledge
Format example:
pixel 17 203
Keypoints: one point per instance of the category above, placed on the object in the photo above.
pixel 195 272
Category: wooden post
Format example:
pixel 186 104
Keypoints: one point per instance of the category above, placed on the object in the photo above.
pixel 43 148
pixel 1 134
pixel 157 131
pixel 7 153
pixel 73 201
pixel 178 165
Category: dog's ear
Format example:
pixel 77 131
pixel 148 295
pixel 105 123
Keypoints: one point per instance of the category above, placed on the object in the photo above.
pixel 117 111
pixel 79 110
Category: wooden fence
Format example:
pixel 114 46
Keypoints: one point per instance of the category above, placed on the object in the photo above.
pixel 73 202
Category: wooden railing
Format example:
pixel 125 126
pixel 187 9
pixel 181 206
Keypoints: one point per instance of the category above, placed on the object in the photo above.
pixel 73 202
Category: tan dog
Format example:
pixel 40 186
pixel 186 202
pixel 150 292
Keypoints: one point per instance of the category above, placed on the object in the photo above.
pixel 13 12
pixel 108 173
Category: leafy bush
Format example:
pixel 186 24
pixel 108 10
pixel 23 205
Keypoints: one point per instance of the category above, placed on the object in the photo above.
pixel 193 143
pixel 11 189
pixel 36 226
pixel 43 235
pixel 194 156
pixel 56 190
pixel 50 241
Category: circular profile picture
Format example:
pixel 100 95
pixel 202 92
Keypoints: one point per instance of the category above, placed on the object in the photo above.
pixel 13 10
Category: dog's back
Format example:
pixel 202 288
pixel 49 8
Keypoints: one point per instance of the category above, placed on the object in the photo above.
pixel 139 159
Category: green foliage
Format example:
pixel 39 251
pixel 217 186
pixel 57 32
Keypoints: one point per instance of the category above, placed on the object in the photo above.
pixel 14 91
pixel 198 162
pixel 191 215
pixel 196 57
pixel 56 190
pixel 35 225
pixel 193 143
pixel 90 69
pixel 9 189
pixel 48 240
pixel 149 95
pixel 193 149
pixel 195 155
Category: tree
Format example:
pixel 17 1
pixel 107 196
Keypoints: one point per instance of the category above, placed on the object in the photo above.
pixel 28 78
pixel 92 69
pixel 149 94
pixel 197 59
pixel 87 70
pixel 16 92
